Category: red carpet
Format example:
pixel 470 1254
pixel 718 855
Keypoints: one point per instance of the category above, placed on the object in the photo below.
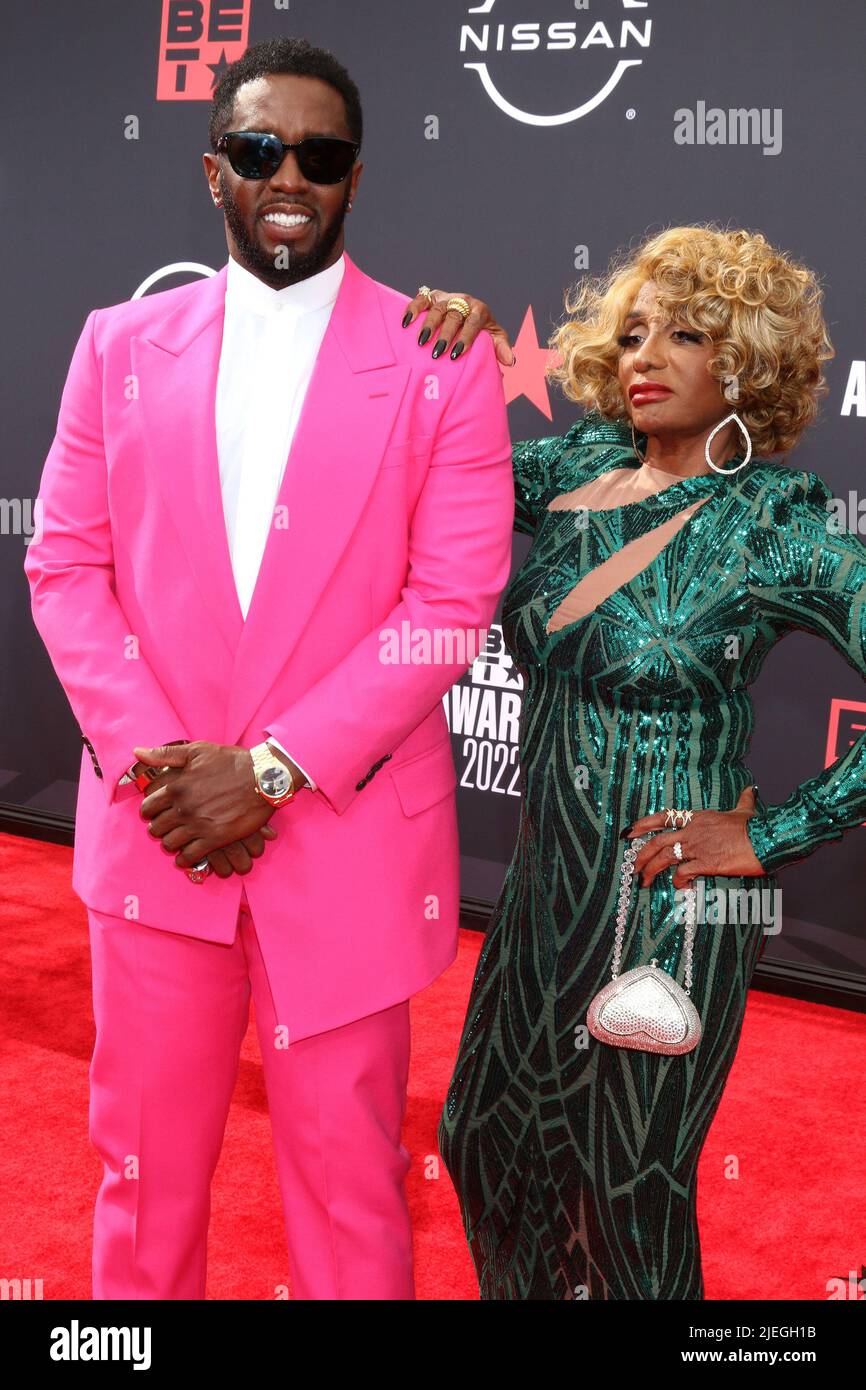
pixel 790 1121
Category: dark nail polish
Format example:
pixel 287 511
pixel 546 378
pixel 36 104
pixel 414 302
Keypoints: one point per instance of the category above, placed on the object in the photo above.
pixel 407 318
pixel 440 348
pixel 623 834
pixel 424 335
pixel 455 352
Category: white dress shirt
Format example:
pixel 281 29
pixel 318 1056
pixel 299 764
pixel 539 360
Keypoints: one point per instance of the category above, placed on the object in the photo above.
pixel 269 347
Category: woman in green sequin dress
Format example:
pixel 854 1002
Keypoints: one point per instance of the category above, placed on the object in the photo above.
pixel 575 1162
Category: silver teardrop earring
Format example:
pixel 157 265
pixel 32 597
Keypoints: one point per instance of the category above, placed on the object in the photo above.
pixel 714 431
pixel 641 456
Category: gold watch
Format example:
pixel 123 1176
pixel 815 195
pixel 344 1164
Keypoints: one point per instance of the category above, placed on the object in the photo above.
pixel 273 778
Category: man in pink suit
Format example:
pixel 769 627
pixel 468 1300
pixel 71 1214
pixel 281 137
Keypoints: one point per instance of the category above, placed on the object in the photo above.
pixel 272 535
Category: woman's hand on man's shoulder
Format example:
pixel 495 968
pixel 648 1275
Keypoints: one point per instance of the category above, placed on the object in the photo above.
pixel 447 330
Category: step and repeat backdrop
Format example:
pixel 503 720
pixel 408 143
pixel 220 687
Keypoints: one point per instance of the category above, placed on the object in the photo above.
pixel 510 146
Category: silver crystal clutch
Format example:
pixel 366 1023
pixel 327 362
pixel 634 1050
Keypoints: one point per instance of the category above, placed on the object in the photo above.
pixel 647 1010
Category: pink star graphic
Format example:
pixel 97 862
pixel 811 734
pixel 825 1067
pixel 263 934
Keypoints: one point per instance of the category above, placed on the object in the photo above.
pixel 527 376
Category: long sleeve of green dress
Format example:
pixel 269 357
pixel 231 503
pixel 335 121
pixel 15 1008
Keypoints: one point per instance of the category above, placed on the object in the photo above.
pixel 534 460
pixel 530 460
pixel 819 587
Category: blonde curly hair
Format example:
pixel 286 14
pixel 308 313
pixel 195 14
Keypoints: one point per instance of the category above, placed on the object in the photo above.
pixel 760 308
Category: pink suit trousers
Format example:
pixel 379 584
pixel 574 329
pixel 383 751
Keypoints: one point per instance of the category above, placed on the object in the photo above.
pixel 171 1012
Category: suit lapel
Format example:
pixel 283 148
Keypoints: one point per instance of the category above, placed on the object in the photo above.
pixel 353 396
pixel 176 365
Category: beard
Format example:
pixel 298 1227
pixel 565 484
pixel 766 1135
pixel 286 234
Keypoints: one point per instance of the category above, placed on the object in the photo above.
pixel 298 265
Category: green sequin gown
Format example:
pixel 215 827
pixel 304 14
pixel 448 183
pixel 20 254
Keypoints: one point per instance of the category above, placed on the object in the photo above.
pixel 576 1166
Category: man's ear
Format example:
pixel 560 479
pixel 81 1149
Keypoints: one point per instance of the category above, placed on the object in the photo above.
pixel 211 171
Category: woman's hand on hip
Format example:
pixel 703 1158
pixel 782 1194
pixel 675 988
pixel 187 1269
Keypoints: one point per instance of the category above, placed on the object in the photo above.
pixel 713 842
pixel 446 328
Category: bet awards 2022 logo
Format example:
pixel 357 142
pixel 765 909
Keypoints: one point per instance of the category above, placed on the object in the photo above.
pixel 570 64
pixel 198 39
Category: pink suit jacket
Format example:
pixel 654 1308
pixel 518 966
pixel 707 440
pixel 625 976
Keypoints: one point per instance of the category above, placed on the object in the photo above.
pixel 395 509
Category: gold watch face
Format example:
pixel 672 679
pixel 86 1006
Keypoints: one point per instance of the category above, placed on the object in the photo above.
pixel 275 780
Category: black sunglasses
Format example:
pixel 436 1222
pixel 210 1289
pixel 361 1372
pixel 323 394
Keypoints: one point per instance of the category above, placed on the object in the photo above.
pixel 255 155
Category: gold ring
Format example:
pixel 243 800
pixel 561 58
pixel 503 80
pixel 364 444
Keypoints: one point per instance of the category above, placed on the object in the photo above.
pixel 426 290
pixel 458 303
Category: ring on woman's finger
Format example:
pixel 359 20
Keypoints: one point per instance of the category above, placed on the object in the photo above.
pixel 678 850
pixel 426 291
pixel 459 305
